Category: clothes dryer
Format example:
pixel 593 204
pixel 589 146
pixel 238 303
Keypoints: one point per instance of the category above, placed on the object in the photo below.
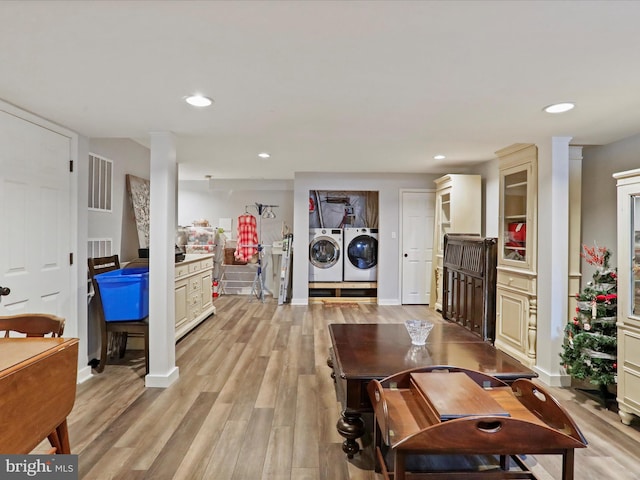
pixel 361 254
pixel 325 255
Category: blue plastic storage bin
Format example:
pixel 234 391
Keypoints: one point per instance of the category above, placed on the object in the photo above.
pixel 124 293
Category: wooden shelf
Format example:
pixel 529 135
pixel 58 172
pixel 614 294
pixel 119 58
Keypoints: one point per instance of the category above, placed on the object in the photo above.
pixel 334 292
pixel 345 285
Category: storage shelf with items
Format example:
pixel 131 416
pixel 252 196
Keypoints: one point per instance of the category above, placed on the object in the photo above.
pixel 458 209
pixel 238 279
pixel 515 216
pixel 516 285
pixel 200 240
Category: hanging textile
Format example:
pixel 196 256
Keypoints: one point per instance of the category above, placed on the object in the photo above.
pixel 247 237
pixel 372 209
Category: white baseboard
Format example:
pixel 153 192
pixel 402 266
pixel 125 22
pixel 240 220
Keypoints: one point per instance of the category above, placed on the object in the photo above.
pixel 84 374
pixel 553 379
pixel 389 301
pixel 161 381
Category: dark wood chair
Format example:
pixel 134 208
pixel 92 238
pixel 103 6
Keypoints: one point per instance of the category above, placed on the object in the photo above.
pixel 33 324
pixel 36 325
pixel 119 330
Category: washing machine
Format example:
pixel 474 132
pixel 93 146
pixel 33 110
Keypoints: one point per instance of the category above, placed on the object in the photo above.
pixel 325 254
pixel 360 254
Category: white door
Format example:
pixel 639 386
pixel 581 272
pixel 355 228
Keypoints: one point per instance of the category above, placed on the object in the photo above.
pixel 34 218
pixel 418 209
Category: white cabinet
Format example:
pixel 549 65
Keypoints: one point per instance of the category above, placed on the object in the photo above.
pixel 458 210
pixel 193 292
pixel 516 289
pixel 628 255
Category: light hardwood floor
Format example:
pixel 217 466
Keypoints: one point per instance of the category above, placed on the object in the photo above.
pixel 255 401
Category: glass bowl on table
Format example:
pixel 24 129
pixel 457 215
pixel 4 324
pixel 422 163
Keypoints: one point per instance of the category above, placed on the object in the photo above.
pixel 418 330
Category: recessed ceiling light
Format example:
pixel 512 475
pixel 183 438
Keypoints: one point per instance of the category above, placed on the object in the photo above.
pixel 264 155
pixel 559 107
pixel 198 100
pixel 439 157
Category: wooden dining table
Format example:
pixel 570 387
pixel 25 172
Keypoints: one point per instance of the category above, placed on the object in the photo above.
pixel 38 379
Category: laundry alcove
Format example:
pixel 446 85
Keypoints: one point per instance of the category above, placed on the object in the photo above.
pixel 343 246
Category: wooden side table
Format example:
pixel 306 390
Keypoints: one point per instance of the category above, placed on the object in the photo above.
pixel 421 414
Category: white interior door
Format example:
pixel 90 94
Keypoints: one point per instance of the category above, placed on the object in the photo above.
pixel 35 228
pixel 418 209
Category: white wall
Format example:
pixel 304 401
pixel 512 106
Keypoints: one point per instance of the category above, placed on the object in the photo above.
pixel 128 157
pixel 490 196
pixel 599 201
pixel 228 198
pixel 201 199
pixel 389 186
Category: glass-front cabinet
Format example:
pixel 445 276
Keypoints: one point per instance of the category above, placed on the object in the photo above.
pixel 628 256
pixel 516 284
pixel 445 217
pixel 635 256
pixel 514 245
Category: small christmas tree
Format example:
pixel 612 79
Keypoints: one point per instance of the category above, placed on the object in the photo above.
pixel 590 337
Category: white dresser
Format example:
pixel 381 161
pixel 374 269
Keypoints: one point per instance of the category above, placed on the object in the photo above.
pixel 194 292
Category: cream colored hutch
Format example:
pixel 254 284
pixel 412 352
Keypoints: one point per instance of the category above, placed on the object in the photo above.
pixel 628 255
pixel 516 289
pixel 458 210
pixel 193 291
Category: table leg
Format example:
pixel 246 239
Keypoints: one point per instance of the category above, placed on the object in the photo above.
pixel 567 464
pixel 63 438
pixel 54 441
pixel 351 427
pixel 330 365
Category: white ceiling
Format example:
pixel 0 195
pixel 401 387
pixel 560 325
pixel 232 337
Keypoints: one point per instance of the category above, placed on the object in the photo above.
pixel 376 86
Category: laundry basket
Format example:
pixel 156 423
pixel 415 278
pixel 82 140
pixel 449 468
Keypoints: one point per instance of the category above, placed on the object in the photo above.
pixel 124 293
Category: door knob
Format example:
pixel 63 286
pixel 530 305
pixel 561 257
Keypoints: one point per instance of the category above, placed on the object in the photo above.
pixel 4 291
pixel 406 255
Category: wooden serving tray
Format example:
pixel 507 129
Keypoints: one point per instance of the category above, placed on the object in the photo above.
pixel 446 396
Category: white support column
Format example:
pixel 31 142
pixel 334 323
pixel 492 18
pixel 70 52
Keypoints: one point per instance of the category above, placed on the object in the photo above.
pixel 162 345
pixel 553 265
pixel 575 235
